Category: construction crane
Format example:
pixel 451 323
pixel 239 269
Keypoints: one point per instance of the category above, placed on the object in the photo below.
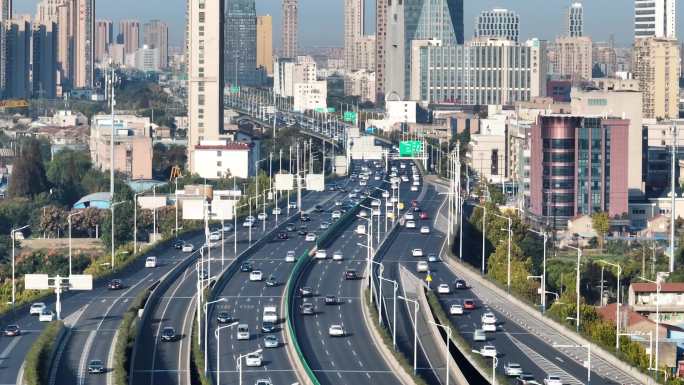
pixel 175 173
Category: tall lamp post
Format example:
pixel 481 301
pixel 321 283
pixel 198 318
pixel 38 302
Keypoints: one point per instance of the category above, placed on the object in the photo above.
pixel 239 363
pixel 113 206
pixel 206 327
pixel 484 232
pixel 218 350
pixel 69 220
pixel 619 304
pixel 416 306
pixel 577 283
pixel 543 276
pixel 14 285
pixel 508 271
pixel 657 323
pixel 447 355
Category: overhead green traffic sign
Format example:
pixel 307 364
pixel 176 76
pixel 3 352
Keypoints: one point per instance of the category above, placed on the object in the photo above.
pixel 234 89
pixel 349 116
pixel 410 148
pixel 331 109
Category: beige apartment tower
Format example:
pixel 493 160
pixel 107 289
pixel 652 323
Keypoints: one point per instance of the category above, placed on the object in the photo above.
pixel 264 32
pixel 290 27
pixel 130 32
pixel 573 58
pixel 156 35
pixel 103 38
pixel 205 73
pixel 656 67
pixel 83 43
pixel 353 31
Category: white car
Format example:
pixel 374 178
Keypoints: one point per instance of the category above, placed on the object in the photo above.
pixel 552 380
pixel 489 351
pixel 375 203
pixel 443 288
pixel 488 318
pixel 385 194
pixel 417 252
pixel 336 331
pixel 276 211
pixel 227 228
pixel 262 216
pixel 292 205
pixel 337 256
pixel 253 359
pixel 247 223
pixel 409 216
pixel 242 332
pixel 337 214
pixel 416 183
pixel 456 309
pixel 361 229
pixel 512 369
pixel 490 328
pixel 37 308
pixel 321 254
pixel 290 257
pixel 422 267
pixel 151 262
pixel 410 224
pixel 256 276
pixel 363 182
pixel 310 237
pixel 46 316
pixel 414 188
pixel 363 214
pixel 424 230
pixel 216 236
pixel 479 335
pixel 264 381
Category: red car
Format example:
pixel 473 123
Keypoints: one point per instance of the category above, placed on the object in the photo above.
pixel 414 203
pixel 423 215
pixel 469 304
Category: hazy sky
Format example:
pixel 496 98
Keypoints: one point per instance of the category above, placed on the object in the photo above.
pixel 321 20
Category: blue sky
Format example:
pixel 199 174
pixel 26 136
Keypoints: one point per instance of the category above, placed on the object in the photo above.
pixel 321 20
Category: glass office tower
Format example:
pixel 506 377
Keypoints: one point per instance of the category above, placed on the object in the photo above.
pixel 240 43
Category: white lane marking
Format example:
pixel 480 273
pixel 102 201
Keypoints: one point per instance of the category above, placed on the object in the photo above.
pixel 8 350
pixel 544 364
pixel 84 358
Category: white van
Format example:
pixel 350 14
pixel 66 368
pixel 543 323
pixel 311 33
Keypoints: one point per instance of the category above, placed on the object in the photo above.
pixel 242 332
pixel 151 262
pixel 270 314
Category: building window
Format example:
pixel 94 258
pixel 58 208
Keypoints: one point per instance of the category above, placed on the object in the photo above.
pixel 218 153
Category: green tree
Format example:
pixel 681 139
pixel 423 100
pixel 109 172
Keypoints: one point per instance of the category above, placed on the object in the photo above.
pixel 65 172
pixel 28 175
pixel 601 224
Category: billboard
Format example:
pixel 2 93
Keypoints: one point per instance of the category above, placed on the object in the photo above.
pixel 222 209
pixel 410 148
pixel 284 182
pixel 36 281
pixel 81 282
pixel 193 209
pixel 315 182
pixel 152 202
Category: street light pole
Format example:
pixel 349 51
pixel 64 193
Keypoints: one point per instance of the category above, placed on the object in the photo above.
pixel 113 206
pixel 394 310
pixel 14 285
pixel 484 232
pixel 447 355
pixel 657 323
pixel 415 331
pixel 239 364
pixel 508 271
pixel 206 326
pixel 577 283
pixel 543 277
pixel 619 304
pixel 218 350
pixel 69 220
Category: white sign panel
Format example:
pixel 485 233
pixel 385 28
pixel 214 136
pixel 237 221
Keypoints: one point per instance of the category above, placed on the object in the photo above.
pixel 36 281
pixel 222 209
pixel 193 209
pixel 152 202
pixel 315 182
pixel 81 282
pixel 284 182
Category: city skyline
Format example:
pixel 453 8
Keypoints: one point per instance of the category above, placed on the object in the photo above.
pixel 538 18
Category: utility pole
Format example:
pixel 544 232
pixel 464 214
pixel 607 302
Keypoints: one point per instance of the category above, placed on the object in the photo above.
pixel 673 194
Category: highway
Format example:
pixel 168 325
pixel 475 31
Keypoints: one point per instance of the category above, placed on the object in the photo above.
pixel 159 362
pixel 87 311
pixel 245 300
pixel 348 359
pixel 518 338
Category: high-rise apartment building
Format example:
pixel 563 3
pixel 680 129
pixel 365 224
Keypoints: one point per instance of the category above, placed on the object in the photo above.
pixel 290 28
pixel 353 30
pixel 129 35
pixel 380 36
pixel 393 78
pixel 576 20
pixel 156 36
pixel 577 167
pixel 16 81
pixel 365 53
pixel 83 43
pixel 103 38
pixel 264 43
pixel 241 40
pixel 499 23
pixel 573 59
pixel 205 47
pixel 656 67
pixel 44 60
pixel 5 10
pixel 655 18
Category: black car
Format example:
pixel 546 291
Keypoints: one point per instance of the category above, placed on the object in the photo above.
pixel 12 331
pixel 282 236
pixel 178 244
pixel 224 317
pixel 168 334
pixel 305 291
pixel 246 267
pixel 331 300
pixel 302 230
pixel 271 281
pixel 460 284
pixel 350 274
pixel 318 208
pixel 115 284
pixel 268 327
pixel 291 227
pixel 305 218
